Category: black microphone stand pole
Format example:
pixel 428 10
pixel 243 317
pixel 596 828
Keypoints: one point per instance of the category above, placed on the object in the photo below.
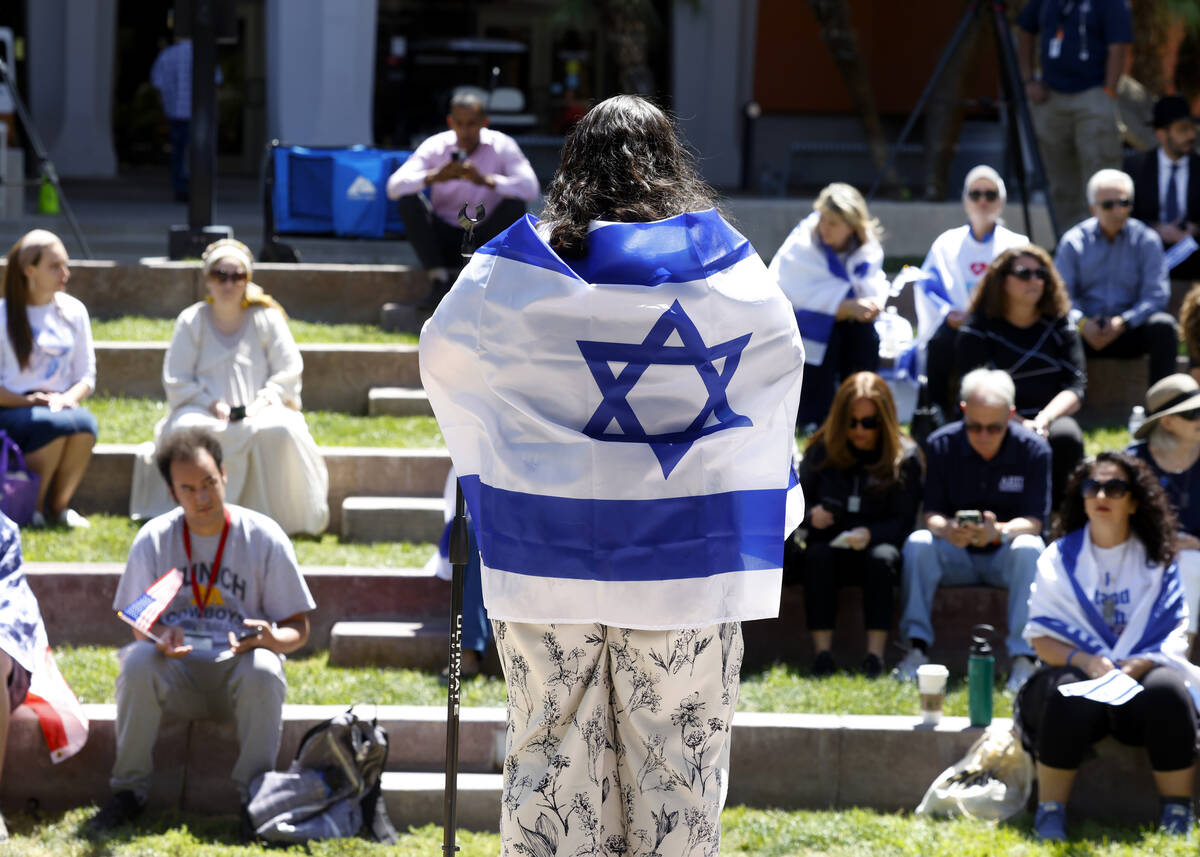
pixel 459 551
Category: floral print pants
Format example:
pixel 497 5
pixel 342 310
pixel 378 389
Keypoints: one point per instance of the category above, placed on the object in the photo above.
pixel 618 740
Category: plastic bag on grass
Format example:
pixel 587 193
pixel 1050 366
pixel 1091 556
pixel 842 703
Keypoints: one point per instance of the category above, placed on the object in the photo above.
pixel 991 782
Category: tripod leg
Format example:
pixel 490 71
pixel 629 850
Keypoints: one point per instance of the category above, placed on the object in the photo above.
pixel 960 32
pixel 459 547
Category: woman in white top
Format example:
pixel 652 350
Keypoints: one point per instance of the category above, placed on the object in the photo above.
pixel 234 368
pixel 957 261
pixel 47 367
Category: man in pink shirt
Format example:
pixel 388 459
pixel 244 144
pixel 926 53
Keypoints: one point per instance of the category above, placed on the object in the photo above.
pixel 468 164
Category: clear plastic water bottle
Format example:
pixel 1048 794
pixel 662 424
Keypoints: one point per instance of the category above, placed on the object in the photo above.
pixel 1137 416
pixel 895 334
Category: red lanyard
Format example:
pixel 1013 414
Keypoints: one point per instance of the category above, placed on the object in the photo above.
pixel 216 564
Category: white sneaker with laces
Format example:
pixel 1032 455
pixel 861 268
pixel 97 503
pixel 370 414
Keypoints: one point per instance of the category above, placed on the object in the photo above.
pixel 1022 669
pixel 74 520
pixel 906 670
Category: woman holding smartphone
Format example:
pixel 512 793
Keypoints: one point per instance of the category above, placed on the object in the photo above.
pixel 864 479
pixel 234 368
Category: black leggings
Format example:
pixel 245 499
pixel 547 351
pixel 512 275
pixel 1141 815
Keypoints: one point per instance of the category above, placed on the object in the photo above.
pixel 823 569
pixel 1161 718
pixel 853 347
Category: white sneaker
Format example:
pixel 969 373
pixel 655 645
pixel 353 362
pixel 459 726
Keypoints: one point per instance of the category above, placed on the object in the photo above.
pixel 74 520
pixel 1022 669
pixel 906 670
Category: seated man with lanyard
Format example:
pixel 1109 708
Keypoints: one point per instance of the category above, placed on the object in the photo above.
pixel 467 165
pixel 242 605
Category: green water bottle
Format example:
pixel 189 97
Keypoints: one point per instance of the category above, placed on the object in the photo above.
pixel 47 197
pixel 981 675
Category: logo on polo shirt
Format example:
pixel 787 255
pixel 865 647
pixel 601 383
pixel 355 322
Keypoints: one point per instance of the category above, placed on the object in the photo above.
pixel 1013 484
pixel 361 188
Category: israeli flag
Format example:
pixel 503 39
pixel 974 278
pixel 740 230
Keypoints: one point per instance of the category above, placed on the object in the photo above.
pixel 622 424
pixel 816 280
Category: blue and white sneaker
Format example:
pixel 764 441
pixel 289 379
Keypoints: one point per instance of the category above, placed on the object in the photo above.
pixel 1050 822
pixel 1177 819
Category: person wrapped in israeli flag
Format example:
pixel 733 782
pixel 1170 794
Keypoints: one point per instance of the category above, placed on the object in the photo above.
pixel 617 387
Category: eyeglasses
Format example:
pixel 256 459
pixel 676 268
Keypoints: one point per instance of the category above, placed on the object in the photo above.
pixel 228 276
pixel 1114 489
pixel 869 423
pixel 989 195
pixel 1191 416
pixel 1027 274
pixel 985 428
pixel 1110 204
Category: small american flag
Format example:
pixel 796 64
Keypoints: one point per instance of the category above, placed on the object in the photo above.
pixel 144 611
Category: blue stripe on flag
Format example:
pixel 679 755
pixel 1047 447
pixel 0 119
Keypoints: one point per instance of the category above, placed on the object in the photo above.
pixel 815 326
pixel 623 540
pixel 637 254
pixel 934 287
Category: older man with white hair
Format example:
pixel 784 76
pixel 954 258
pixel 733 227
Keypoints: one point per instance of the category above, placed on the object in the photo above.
pixel 987 494
pixel 1114 271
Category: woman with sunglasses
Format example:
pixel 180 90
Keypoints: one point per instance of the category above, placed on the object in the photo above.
pixel 1169 442
pixel 831 269
pixel 956 261
pixel 862 478
pixel 47 368
pixel 234 368
pixel 1017 321
pixel 1107 598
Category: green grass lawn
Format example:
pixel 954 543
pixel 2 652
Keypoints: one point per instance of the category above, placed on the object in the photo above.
pixel 141 329
pixel 750 832
pixel 129 420
pixel 109 537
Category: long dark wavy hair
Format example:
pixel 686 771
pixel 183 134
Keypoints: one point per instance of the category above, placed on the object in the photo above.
pixel 833 433
pixel 27 251
pixel 989 298
pixel 1154 522
pixel 621 162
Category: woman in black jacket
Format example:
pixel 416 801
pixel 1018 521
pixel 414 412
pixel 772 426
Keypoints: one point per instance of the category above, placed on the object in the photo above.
pixel 862 481
pixel 1017 321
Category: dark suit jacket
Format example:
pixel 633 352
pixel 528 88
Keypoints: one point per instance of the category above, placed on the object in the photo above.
pixel 1143 167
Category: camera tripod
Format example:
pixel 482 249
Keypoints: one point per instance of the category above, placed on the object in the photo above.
pixel 1020 141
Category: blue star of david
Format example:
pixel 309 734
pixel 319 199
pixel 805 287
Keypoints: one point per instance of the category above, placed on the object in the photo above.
pixel 668 447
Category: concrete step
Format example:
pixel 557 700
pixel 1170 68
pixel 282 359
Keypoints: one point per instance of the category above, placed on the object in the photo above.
pixel 353 471
pixel 68 594
pixel 336 377
pixel 337 293
pixel 413 645
pixel 390 519
pixel 398 402
pixel 843 757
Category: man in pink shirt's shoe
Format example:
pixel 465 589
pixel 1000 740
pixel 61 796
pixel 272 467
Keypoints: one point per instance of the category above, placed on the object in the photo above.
pixel 468 164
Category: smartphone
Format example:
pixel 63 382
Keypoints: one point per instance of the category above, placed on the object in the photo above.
pixel 247 634
pixel 237 413
pixel 458 155
pixel 968 516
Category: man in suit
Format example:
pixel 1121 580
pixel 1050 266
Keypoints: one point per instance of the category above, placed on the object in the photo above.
pixel 1167 181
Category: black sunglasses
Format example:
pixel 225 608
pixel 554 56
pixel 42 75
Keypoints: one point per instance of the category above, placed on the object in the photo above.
pixel 1191 416
pixel 869 423
pixel 989 195
pixel 1114 489
pixel 1110 204
pixel 227 276
pixel 1027 274
pixel 988 428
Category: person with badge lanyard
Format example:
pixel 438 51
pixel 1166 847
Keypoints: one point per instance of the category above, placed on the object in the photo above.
pixel 864 478
pixel 216 649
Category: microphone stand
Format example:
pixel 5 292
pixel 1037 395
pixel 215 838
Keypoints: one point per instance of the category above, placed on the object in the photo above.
pixel 459 551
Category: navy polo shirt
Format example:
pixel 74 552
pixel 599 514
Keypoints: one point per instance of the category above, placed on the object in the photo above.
pixel 1181 488
pixel 1014 484
pixel 1088 27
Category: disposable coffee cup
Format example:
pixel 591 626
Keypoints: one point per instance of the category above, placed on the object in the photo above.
pixel 931 684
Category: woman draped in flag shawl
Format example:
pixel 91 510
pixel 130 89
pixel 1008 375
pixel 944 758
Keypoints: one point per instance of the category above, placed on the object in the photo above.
pixel 617 386
pixel 831 269
pixel 957 260
pixel 1108 598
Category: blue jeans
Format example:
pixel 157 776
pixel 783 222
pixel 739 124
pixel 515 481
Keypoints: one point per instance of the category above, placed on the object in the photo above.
pixel 34 426
pixel 930 562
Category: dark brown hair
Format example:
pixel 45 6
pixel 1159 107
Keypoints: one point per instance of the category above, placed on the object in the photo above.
pixel 989 298
pixel 27 251
pixel 1154 521
pixel 621 162
pixel 185 445
pixel 833 432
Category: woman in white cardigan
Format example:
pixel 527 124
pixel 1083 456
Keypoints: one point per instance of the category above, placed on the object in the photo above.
pixel 234 368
